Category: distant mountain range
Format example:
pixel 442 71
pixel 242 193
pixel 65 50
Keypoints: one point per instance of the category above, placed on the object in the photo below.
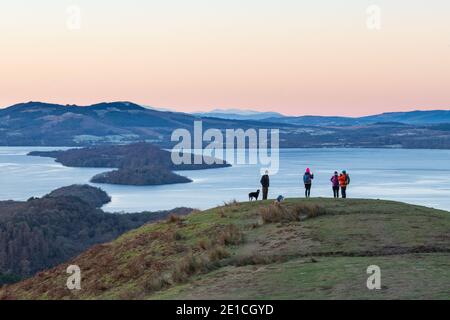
pixel 44 124
pixel 412 117
pixel 236 114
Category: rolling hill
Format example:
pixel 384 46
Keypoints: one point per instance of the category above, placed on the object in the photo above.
pixel 301 249
pixel 37 123
pixel 43 124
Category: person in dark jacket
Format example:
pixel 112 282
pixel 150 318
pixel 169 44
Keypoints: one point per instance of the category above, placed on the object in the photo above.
pixel 307 180
pixel 335 183
pixel 265 183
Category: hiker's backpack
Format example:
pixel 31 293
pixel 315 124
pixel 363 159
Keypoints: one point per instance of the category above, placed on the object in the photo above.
pixel 307 178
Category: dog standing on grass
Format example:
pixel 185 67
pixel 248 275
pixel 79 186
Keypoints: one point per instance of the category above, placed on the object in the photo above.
pixel 253 195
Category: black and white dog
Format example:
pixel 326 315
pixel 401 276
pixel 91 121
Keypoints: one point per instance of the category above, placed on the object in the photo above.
pixel 253 195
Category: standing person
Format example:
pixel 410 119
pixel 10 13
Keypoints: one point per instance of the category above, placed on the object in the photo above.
pixel 265 183
pixel 307 180
pixel 344 181
pixel 335 183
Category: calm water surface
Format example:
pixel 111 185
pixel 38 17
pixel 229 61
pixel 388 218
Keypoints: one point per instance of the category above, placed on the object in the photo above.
pixel 413 176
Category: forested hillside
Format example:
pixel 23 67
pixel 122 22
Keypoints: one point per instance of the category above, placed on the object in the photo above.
pixel 42 232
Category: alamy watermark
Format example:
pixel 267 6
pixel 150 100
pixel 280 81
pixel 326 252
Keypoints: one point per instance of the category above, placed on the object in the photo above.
pixel 73 21
pixel 74 280
pixel 236 147
pixel 374 280
pixel 373 21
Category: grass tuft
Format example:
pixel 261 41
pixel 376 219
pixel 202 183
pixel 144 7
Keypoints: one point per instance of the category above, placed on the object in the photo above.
pixel 277 212
pixel 231 235
pixel 232 205
pixel 187 267
pixel 173 218
pixel 218 253
pixel 310 210
pixel 204 244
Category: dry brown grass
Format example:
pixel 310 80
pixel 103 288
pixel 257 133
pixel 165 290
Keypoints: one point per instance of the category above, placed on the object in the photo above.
pixel 222 213
pixel 310 210
pixel 130 295
pixel 279 213
pixel 189 266
pixel 255 259
pixel 218 253
pixel 199 258
pixel 5 294
pixel 204 244
pixel 156 284
pixel 177 236
pixel 173 218
pixel 232 205
pixel 230 235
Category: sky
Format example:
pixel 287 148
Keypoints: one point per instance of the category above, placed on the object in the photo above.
pixel 324 57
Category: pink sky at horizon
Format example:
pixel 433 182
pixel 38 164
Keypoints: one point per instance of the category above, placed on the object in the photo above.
pixel 286 56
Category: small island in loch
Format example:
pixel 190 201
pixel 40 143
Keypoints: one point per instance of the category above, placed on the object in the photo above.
pixel 138 164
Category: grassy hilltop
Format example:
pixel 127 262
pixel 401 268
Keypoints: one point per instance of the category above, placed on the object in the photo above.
pixel 302 249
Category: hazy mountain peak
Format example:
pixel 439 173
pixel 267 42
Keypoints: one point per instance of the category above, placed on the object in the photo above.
pixel 239 114
pixel 157 108
pixel 121 105
pixel 35 105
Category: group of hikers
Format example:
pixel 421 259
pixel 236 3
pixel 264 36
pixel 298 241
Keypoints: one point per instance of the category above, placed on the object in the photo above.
pixel 339 183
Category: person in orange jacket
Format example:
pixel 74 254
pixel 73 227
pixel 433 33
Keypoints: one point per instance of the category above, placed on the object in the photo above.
pixel 344 181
